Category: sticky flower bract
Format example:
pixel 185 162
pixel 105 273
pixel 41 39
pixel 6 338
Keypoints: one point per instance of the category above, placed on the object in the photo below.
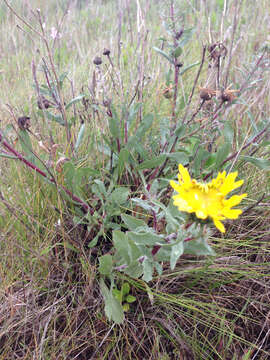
pixel 208 199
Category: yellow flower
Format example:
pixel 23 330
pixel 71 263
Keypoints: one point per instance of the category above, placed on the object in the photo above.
pixel 208 199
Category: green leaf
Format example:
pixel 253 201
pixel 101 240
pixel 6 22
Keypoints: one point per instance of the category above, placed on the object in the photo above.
pixel 179 157
pixel 143 203
pixel 186 36
pixel 113 308
pixel 222 154
pixel 176 252
pixel 120 241
pixel 117 294
pixel 93 242
pixel 80 136
pixel 198 247
pixel 145 238
pixel 132 222
pixel 180 130
pixel 134 270
pixel 62 78
pixel 126 307
pixel 163 54
pixel 26 144
pixel 150 164
pixel 188 67
pixel 228 132
pixel 122 160
pixel 125 289
pixel 210 161
pixel 148 269
pixel 262 164
pixel 52 117
pixel 114 124
pixel 105 264
pixel 130 299
pixel 101 186
pixel 202 154
pixel 75 100
pixel 119 195
pixel 177 52
pixel 145 125
pixel 158 267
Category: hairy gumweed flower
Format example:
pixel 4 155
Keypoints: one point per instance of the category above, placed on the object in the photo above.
pixel 208 199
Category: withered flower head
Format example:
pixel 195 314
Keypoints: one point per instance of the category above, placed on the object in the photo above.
pixel 106 52
pixel 44 103
pixel 228 95
pixel 97 60
pixel 206 93
pixel 216 51
pixel 24 122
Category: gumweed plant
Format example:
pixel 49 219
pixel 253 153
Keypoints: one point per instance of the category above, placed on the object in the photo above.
pixel 132 223
pixel 142 250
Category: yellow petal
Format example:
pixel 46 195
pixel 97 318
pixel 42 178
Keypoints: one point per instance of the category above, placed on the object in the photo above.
pixel 175 186
pixel 182 204
pixel 229 184
pixel 219 225
pixel 232 213
pixel 234 200
pixel 184 173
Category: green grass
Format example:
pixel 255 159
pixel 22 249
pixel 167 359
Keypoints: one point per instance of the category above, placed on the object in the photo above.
pixel 50 302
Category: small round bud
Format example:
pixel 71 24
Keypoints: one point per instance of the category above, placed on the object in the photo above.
pixel 207 93
pixel 106 52
pixel 97 60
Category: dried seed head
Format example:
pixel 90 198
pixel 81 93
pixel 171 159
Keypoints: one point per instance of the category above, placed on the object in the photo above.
pixel 216 51
pixel 44 103
pixel 179 64
pixel 106 52
pixel 97 60
pixel 228 95
pixel 207 94
pixel 24 122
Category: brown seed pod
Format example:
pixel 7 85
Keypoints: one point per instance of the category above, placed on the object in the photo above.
pixel 24 122
pixel 228 95
pixel 44 103
pixel 216 51
pixel 206 93
pixel 97 60
pixel 106 52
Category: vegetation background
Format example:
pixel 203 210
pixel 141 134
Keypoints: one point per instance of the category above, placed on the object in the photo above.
pixel 50 303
